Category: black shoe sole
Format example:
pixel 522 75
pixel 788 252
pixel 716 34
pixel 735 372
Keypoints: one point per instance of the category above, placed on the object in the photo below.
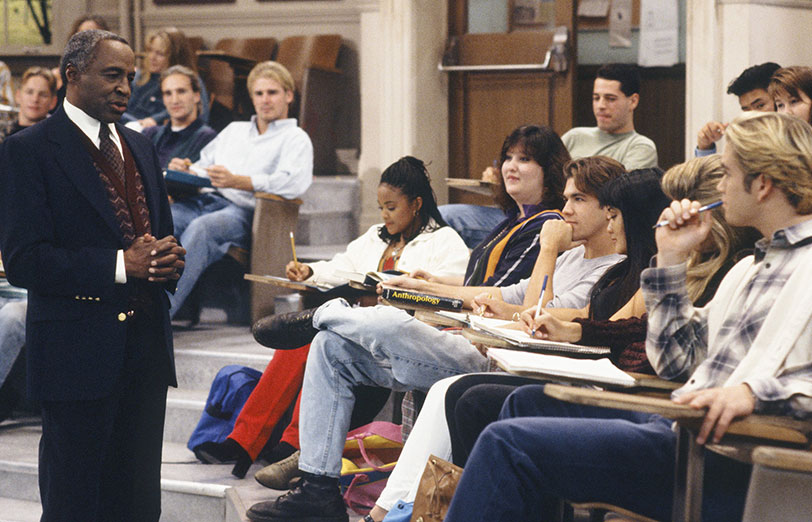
pixel 280 333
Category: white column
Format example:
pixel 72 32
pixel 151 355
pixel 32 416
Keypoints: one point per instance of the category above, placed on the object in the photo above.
pixel 404 102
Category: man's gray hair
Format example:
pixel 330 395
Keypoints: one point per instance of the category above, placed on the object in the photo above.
pixel 81 50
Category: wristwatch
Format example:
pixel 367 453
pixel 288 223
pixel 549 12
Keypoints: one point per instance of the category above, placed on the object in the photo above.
pixel 368 518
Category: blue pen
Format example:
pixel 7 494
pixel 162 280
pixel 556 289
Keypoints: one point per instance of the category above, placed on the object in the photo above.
pixel 709 206
pixel 538 305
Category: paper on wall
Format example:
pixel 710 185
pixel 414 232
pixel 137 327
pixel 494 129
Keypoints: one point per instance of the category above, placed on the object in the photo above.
pixel 593 8
pixel 620 24
pixel 659 33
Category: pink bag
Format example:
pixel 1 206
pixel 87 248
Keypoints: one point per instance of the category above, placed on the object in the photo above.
pixel 370 454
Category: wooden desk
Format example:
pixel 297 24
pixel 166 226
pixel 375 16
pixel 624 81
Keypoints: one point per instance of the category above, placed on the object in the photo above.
pixel 475 186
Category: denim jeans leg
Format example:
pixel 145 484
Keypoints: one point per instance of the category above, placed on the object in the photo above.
pixel 519 467
pixel 334 367
pixel 419 355
pixel 472 222
pixel 207 239
pixel 379 346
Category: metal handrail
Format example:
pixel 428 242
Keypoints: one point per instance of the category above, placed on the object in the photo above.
pixel 545 66
pixel 555 59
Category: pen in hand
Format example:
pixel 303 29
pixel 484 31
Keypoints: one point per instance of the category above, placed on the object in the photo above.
pixel 709 206
pixel 538 305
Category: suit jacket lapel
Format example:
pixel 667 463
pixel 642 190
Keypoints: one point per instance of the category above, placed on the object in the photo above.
pixel 76 163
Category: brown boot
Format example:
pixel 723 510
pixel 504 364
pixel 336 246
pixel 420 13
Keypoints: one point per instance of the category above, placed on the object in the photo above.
pixel 280 474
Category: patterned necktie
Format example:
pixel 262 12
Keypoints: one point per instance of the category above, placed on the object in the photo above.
pixel 111 152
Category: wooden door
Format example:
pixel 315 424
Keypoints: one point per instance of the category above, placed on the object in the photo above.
pixel 485 106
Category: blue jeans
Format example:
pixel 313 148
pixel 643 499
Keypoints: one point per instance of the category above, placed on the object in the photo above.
pixel 206 225
pixel 472 222
pixel 544 449
pixel 376 346
pixel 12 333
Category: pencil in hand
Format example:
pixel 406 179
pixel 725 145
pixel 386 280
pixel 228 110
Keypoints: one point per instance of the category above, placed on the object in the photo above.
pixel 293 248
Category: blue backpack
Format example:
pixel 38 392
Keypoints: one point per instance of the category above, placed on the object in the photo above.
pixel 230 389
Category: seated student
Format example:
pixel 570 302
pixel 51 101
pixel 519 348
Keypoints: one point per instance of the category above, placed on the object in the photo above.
pixel 615 96
pixel 474 401
pixel 35 97
pixel 545 449
pixel 165 48
pixel 412 236
pixel 386 347
pixel 751 89
pixel 267 154
pixel 791 87
pixel 185 134
pixel 586 222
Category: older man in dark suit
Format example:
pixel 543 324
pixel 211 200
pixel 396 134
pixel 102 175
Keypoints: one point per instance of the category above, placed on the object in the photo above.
pixel 87 230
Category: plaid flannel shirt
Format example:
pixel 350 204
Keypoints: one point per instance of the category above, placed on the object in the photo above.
pixel 677 338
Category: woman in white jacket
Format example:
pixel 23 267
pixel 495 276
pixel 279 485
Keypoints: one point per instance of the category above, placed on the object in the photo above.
pixel 412 236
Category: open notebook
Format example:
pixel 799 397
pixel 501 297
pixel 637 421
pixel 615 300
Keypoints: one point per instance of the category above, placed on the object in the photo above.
pixel 599 371
pixel 519 339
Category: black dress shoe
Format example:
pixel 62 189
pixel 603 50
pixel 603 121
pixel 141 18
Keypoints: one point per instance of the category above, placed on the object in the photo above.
pixel 306 502
pixel 225 452
pixel 285 331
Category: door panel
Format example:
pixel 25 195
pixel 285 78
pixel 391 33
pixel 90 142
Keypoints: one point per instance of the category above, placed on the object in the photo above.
pixel 485 106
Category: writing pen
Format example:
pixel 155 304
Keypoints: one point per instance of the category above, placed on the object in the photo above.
pixel 709 206
pixel 538 305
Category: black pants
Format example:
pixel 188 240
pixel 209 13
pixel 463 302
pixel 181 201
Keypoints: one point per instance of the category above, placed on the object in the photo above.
pixel 100 460
pixel 471 403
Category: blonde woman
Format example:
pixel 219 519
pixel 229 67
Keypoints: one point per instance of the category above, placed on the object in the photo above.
pixel 165 48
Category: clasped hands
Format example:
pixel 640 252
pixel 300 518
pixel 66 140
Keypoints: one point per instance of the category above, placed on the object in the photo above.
pixel 156 260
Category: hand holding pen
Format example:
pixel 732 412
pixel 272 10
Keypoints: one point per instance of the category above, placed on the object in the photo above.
pixel 538 305
pixel 679 219
pixel 686 225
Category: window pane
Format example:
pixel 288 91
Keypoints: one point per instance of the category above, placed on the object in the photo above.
pixel 23 27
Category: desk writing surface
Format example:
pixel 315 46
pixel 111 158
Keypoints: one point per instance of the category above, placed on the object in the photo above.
pixel 284 282
pixel 765 427
pixel 476 186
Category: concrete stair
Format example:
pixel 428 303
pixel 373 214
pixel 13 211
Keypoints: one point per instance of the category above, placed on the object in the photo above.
pixel 329 212
pixel 191 491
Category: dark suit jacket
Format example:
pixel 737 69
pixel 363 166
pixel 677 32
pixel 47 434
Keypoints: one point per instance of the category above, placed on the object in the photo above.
pixel 59 240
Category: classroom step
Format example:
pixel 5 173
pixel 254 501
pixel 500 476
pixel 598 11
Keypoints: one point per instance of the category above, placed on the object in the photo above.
pixel 333 223
pixel 15 510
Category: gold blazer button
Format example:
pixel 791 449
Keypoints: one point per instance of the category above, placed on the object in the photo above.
pixel 122 317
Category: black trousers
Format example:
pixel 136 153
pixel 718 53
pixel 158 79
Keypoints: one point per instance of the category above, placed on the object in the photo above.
pixel 100 460
pixel 471 403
